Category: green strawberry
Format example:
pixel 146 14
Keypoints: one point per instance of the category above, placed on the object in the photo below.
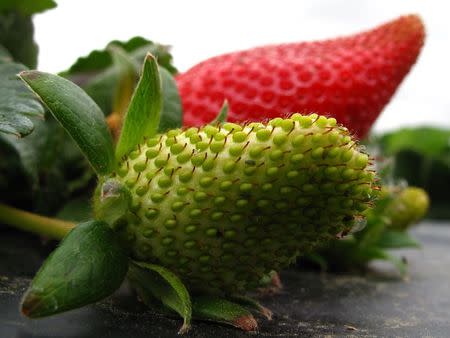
pixel 223 206
pixel 407 208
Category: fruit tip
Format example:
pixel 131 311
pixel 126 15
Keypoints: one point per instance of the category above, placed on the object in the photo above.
pixel 408 25
pixel 415 19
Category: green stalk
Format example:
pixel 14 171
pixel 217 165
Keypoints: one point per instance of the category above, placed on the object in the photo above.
pixel 27 221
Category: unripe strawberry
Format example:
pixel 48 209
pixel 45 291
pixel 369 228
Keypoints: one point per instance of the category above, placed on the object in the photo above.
pixel 407 208
pixel 222 206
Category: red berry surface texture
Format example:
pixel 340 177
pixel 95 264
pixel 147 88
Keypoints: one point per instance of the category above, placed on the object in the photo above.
pixel 350 78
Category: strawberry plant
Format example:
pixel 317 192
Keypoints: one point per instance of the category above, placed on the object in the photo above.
pixel 186 211
pixel 195 217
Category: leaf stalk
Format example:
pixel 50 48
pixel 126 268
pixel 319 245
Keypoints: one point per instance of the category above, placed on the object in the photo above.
pixel 45 226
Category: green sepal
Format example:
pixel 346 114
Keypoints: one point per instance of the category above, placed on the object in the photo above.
pixel 381 254
pixel 223 311
pixel 78 114
pixel 371 234
pixel 143 115
pixel 153 281
pixel 88 265
pixel 252 305
pixel 396 240
pixel 112 200
pixel 17 103
pixel 171 112
pixel 376 223
pixel 223 114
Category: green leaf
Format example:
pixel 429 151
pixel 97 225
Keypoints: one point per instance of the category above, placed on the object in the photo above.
pixel 99 60
pixel 223 311
pixel 34 150
pixel 46 167
pixel 397 239
pixel 137 47
pixel 101 88
pixel 143 115
pixel 88 266
pixel 5 56
pixel 223 114
pixel 78 114
pixel 16 35
pixel 161 53
pixel 26 7
pixel 427 141
pixel 127 74
pixel 12 170
pixel 17 102
pixel 171 115
pixel 152 280
pixel 39 161
pixel 17 30
pixel 96 74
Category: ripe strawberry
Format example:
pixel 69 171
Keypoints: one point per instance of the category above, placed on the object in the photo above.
pixel 223 206
pixel 352 78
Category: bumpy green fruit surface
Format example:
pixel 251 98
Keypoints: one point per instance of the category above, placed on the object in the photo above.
pixel 222 206
pixel 408 207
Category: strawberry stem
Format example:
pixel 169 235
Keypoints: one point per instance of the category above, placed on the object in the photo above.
pixel 27 221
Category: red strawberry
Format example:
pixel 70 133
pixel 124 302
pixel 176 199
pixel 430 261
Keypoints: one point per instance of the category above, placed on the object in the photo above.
pixel 352 78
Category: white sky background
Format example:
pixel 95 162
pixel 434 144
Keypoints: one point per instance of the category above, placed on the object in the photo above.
pixel 200 29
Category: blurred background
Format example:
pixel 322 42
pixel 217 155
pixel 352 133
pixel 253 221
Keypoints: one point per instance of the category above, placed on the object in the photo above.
pixel 201 29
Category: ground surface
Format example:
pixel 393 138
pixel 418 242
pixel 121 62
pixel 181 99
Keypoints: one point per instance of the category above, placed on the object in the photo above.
pixel 312 304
